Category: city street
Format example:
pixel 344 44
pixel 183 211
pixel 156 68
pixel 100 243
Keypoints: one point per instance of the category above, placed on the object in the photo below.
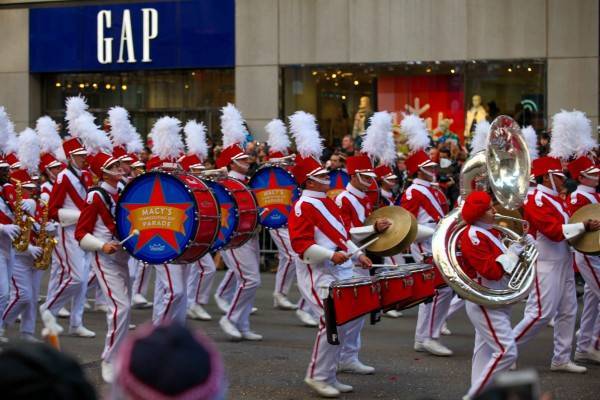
pixel 275 368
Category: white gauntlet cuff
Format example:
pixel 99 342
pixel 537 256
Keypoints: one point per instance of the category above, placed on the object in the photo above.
pixel 316 254
pixel 91 243
pixel 571 231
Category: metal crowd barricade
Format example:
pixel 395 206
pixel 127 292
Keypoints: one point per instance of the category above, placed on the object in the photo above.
pixel 268 251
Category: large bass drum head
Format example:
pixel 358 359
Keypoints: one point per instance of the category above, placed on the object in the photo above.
pixel 229 215
pixel 338 179
pixel 275 190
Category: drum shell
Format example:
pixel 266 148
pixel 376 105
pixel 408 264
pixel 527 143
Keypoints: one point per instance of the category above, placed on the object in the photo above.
pixel 395 288
pixel 354 298
pixel 424 283
pixel 228 212
pixel 247 212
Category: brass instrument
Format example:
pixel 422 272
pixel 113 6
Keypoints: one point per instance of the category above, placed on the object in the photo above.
pixel 22 220
pixel 505 165
pixel 45 241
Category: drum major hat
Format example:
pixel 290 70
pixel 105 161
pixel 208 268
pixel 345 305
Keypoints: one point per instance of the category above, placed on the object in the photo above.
pixel 379 144
pixel 100 161
pixel 546 165
pixel 197 149
pixel 47 160
pixel 360 164
pixel 12 160
pixel 279 141
pixel 304 168
pixel 167 144
pixel 582 165
pixel 385 172
pixel 190 161
pixel 22 176
pixel 309 145
pixel 418 141
pixel 234 135
pixel 122 133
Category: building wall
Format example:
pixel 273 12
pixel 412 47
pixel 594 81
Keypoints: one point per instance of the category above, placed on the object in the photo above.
pixel 270 33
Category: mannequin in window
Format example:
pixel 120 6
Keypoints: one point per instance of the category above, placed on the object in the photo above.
pixel 476 113
pixel 361 118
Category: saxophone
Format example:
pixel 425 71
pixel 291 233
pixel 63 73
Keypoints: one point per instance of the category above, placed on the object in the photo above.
pixel 45 242
pixel 23 221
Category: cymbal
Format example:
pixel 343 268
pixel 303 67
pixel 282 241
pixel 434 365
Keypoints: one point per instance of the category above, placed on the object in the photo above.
pixel 589 242
pixel 398 236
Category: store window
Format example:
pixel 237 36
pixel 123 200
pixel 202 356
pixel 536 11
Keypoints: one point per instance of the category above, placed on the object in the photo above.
pixel 147 95
pixel 448 95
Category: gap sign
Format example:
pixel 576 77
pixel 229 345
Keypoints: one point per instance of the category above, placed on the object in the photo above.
pixel 121 37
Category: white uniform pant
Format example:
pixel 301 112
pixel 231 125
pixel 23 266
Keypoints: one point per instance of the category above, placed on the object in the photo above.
pixel 455 305
pixel 589 332
pixel 553 295
pixel 200 279
pixel 304 302
pixel 57 274
pixel 286 269
pixel 432 315
pixel 142 277
pixel 244 262
pixel 170 293
pixel 112 275
pixel 495 348
pixel 75 263
pixel 228 284
pixel 7 260
pixel 25 288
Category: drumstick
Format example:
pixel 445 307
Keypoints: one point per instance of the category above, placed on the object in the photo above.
pixel 133 233
pixel 364 246
pixel 386 266
pixel 264 210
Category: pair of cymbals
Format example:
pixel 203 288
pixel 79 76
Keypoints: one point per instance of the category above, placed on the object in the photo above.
pixel 589 242
pixel 398 236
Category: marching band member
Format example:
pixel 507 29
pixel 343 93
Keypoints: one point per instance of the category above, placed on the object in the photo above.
pixel 95 233
pixel 66 202
pixel 486 259
pixel 320 238
pixel 202 272
pixel 553 294
pixel 244 260
pixel 170 293
pixel 428 204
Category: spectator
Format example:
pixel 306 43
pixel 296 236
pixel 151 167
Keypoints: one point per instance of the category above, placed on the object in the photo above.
pixel 348 146
pixel 336 161
pixel 145 154
pixel 544 144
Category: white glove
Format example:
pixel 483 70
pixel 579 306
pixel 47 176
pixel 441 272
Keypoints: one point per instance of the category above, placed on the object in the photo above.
pixel 34 251
pixel 11 230
pixel 515 249
pixel 51 228
pixel 510 259
pixel 529 240
pixel 29 206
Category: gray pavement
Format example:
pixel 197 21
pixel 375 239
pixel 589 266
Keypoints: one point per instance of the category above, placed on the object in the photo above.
pixel 274 368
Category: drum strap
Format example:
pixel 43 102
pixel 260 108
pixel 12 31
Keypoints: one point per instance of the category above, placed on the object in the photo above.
pixel 558 206
pixel 318 204
pixel 108 200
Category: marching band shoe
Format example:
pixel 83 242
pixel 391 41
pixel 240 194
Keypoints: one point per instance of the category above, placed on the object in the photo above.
pixel 132 327
pixel 306 318
pixel 221 303
pixel 590 355
pixel 108 372
pixel 139 301
pixel 356 367
pixel 230 330
pixel 87 306
pixel 513 367
pixel 82 331
pixel 253 311
pixel 551 323
pixel 28 337
pixel 322 388
pixel 63 313
pixel 49 319
pixel 251 336
pixel 392 314
pixel 342 387
pixel 101 307
pixel 419 348
pixel 282 302
pixel 436 348
pixel 196 311
pixel 445 331
pixel 568 367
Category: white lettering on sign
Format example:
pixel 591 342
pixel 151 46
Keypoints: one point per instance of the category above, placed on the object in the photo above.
pixel 126 49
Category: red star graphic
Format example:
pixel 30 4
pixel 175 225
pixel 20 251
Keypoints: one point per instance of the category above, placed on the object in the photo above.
pixel 274 184
pixel 225 210
pixel 157 199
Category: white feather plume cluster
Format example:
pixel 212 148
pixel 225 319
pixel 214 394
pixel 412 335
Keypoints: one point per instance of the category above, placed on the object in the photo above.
pixel 279 140
pixel 94 139
pixel 232 126
pixel 47 130
pixel 378 136
pixel 166 140
pixel 571 135
pixel 12 143
pixel 76 107
pixel 306 135
pixel 531 140
pixel 121 130
pixel 28 150
pixel 479 142
pixel 416 132
pixel 195 138
pixel 6 130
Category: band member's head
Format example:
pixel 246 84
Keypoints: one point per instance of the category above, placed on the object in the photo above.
pixel 388 180
pixel 360 169
pixel 235 134
pixel 478 207
pixel 234 158
pixel 28 183
pixel 106 168
pixel 310 174
pixel 120 153
pixel 584 171
pixel 76 153
pixel 50 166
pixel 548 171
pixel 419 165
pixel 336 161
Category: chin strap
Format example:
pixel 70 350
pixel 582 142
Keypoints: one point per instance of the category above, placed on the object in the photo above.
pixel 111 173
pixel 319 180
pixel 241 165
pixel 552 183
pixel 429 174
pixel 363 182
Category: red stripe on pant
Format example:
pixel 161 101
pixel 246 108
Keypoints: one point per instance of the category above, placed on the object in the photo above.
pixel 59 292
pixel 597 280
pixel 110 296
pixel 62 269
pixel 17 297
pixel 139 289
pixel 502 350
pixel 287 264
pixel 240 288
pixel 199 280
pixel 172 296
pixel 313 359
pixel 539 314
pixel 224 287
pixel 432 315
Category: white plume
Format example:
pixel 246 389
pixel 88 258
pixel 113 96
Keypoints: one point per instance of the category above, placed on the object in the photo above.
pixel 135 144
pixel 232 126
pixel 377 135
pixel 76 107
pixel 47 130
pixel 416 132
pixel 121 130
pixel 531 139
pixel 195 138
pixel 279 140
pixel 304 130
pixel 12 143
pixel 94 139
pixel 166 140
pixel 6 129
pixel 479 142
pixel 28 151
pixel 571 135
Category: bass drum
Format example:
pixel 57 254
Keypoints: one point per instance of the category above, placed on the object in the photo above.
pixel 275 190
pixel 338 179
pixel 176 215
pixel 228 211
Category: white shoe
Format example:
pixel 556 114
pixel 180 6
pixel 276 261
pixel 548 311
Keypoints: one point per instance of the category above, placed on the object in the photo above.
pixel 132 327
pixel 229 328
pixel 28 337
pixel 87 306
pixel 356 367
pixel 588 356
pixel 139 301
pixel 253 311
pixel 445 331
pixel 342 387
pixel 196 311
pixel 82 331
pixel 18 319
pixel 222 303
pixel 419 348
pixel 251 336
pixel 323 389
pixel 108 373
pixel 551 323
pixel 513 367
pixel 281 301
pixel 568 367
pixel 393 314
pixel 63 313
pixel 50 321
pixel 101 307
pixel 306 318
pixel 436 348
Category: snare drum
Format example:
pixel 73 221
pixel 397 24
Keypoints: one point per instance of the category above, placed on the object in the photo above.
pixel 423 276
pixel 176 214
pixel 247 211
pixel 275 190
pixel 353 298
pixel 395 287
